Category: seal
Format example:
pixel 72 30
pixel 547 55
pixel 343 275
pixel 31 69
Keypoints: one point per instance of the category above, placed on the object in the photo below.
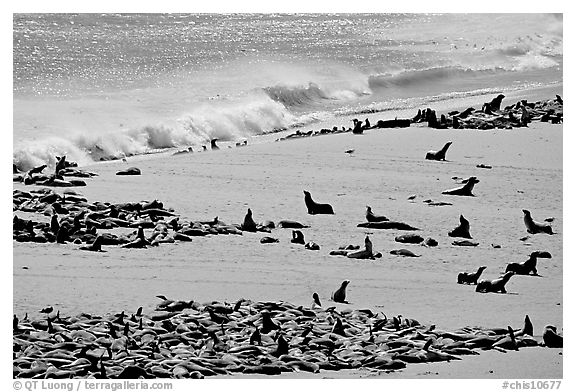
pixel 312 246
pixel 316 208
pixel 438 155
pixel 366 253
pixel 268 240
pixel 551 338
pixel 463 230
pixel 340 294
pixel 139 242
pixel 534 227
pixel 494 286
pixel 529 266
pixel 213 145
pixel 465 190
pixel 409 239
pixel 371 217
pixel 470 278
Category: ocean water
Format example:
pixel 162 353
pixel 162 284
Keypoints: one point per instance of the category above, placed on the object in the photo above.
pixel 104 86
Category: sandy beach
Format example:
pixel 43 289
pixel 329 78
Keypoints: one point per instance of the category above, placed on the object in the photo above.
pixel 385 169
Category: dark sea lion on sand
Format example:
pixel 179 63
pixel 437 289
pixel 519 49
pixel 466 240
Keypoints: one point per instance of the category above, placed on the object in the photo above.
pixel 365 253
pixel 409 239
pixel 494 286
pixel 139 242
pixel 403 252
pixel 316 208
pixel 248 224
pixel 96 246
pixel 371 217
pixel 387 225
pixel 340 294
pixel 465 190
pixel 463 230
pixel 551 338
pixel 438 155
pixel 470 278
pixel 496 102
pixel 131 171
pixel 288 224
pixel 268 240
pixel 213 145
pixel 529 266
pixel 534 227
pixel 297 237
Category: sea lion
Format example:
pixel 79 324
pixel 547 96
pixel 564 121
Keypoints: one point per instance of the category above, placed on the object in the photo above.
pixel 529 266
pixel 494 286
pixel 268 240
pixel 358 129
pixel 371 217
pixel 438 155
pixel 496 102
pixel 465 243
pixel 96 246
pixel 316 299
pixel 465 190
pixel 340 294
pixel 289 224
pixel 409 239
pixel 248 224
pixel 534 227
pixel 366 253
pixel 213 145
pixel 139 242
pixel 61 165
pixel 430 242
pixel 387 225
pixel 131 171
pixel 470 278
pixel 463 230
pixel 316 208
pixel 312 246
pixel 297 237
pixel 403 252
pixel 551 338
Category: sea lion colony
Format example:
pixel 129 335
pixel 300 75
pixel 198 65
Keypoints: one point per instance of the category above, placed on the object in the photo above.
pixel 188 340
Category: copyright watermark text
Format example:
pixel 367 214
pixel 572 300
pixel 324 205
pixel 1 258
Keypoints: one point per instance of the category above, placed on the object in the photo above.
pixel 90 385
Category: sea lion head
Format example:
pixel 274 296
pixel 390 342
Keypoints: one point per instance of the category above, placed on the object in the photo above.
pixel 526 213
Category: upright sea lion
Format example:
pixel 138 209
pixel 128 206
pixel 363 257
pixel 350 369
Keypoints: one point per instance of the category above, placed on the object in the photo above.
pixel 213 144
pixel 529 266
pixel 249 224
pixel 96 246
pixel 297 237
pixel 340 294
pixel 494 286
pixel 551 338
pixel 438 155
pixel 496 102
pixel 358 129
pixel 534 227
pixel 139 242
pixel 371 217
pixel 470 278
pixel 61 165
pixel 465 190
pixel 366 253
pixel 316 299
pixel 463 230
pixel 316 208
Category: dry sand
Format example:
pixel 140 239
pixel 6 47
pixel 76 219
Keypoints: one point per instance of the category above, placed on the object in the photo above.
pixel 386 168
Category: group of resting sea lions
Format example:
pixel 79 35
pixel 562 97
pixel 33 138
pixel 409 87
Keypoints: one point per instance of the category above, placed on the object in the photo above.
pixel 184 339
pixel 188 340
